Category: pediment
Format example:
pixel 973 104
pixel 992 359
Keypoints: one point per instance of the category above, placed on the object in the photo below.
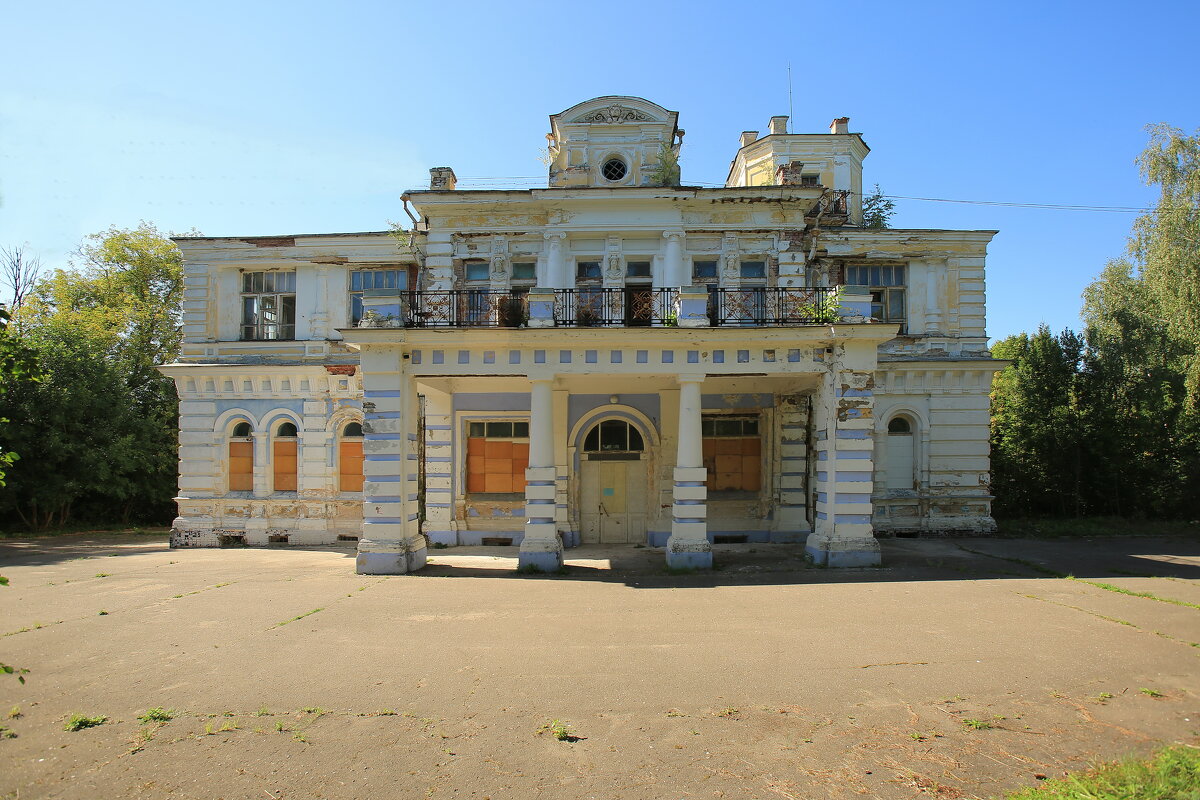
pixel 615 110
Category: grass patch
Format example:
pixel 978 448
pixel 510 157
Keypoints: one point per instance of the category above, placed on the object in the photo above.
pixel 559 730
pixel 1170 774
pixel 77 722
pixel 158 714
pixel 1108 587
pixel 297 617
pixel 1150 692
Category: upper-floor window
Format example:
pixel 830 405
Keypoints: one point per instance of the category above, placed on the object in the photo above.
pixel 886 283
pixel 754 270
pixel 637 269
pixel 362 279
pixel 524 271
pixel 704 270
pixel 587 270
pixel 810 180
pixel 269 305
pixel 476 271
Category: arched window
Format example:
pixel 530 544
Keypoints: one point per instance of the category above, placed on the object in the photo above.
pixel 241 459
pixel 283 452
pixel 900 463
pixel 350 458
pixel 613 436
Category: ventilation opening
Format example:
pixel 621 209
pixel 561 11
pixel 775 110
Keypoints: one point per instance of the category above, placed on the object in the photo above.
pixel 347 537
pixel 496 541
pixel 277 538
pixel 231 539
pixel 730 538
pixel 906 534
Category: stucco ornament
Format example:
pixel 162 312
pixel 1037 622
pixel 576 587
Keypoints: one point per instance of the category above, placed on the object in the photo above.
pixel 616 114
pixel 499 267
pixel 614 266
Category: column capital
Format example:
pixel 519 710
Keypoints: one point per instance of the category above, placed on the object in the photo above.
pixel 551 235
pixel 673 233
pixel 691 377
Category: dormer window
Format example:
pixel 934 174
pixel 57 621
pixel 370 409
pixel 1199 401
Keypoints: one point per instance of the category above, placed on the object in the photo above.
pixel 614 170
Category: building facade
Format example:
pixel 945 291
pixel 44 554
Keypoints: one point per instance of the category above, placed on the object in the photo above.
pixel 613 358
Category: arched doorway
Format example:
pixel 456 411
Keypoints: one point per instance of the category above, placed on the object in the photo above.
pixel 613 484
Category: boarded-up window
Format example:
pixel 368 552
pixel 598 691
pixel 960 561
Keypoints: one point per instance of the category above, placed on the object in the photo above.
pixel 497 455
pixel 241 466
pixel 732 453
pixel 350 459
pixel 283 458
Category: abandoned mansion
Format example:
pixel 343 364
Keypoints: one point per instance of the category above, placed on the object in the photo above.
pixel 616 357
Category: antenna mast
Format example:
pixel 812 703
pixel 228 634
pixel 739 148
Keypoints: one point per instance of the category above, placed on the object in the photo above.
pixel 789 97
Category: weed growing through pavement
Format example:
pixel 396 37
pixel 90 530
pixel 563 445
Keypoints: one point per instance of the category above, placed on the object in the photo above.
pixel 7 733
pixel 727 712
pixel 1150 692
pixel 14 712
pixel 299 737
pixel 978 724
pixel 559 730
pixel 1102 697
pixel 158 714
pixel 297 617
pixel 102 613
pixel 102 574
pixel 263 712
pixel 385 712
pixel 77 722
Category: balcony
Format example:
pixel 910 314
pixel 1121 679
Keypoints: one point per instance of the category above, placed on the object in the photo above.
pixel 627 307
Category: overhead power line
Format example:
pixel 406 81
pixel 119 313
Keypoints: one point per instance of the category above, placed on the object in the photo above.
pixel 1002 203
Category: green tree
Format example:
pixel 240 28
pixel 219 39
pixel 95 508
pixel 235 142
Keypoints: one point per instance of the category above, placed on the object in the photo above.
pixel 878 209
pixel 100 329
pixel 1165 245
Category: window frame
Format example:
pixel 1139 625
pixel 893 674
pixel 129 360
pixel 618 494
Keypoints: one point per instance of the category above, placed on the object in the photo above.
pixel 356 294
pixel 888 286
pixel 258 287
pixel 750 428
pixel 517 474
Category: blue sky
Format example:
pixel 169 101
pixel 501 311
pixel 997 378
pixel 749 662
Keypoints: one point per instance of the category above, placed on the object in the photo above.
pixel 269 118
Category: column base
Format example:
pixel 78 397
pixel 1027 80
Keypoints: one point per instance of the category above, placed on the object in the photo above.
pixel 842 552
pixel 390 556
pixel 689 554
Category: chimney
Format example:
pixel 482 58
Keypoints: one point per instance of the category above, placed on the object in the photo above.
pixel 778 125
pixel 789 174
pixel 749 137
pixel 442 179
pixel 840 125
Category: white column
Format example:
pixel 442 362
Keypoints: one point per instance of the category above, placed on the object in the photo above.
pixel 688 547
pixel 391 543
pixel 673 266
pixel 541 549
pixel 556 271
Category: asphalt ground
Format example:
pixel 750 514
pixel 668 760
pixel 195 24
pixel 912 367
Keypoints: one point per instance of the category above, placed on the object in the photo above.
pixel 962 668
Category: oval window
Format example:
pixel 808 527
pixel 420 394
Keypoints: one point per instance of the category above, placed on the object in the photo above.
pixel 614 169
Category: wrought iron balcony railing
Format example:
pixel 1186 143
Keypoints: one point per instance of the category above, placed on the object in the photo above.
pixel 772 305
pixel 465 308
pixel 582 307
pixel 628 306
